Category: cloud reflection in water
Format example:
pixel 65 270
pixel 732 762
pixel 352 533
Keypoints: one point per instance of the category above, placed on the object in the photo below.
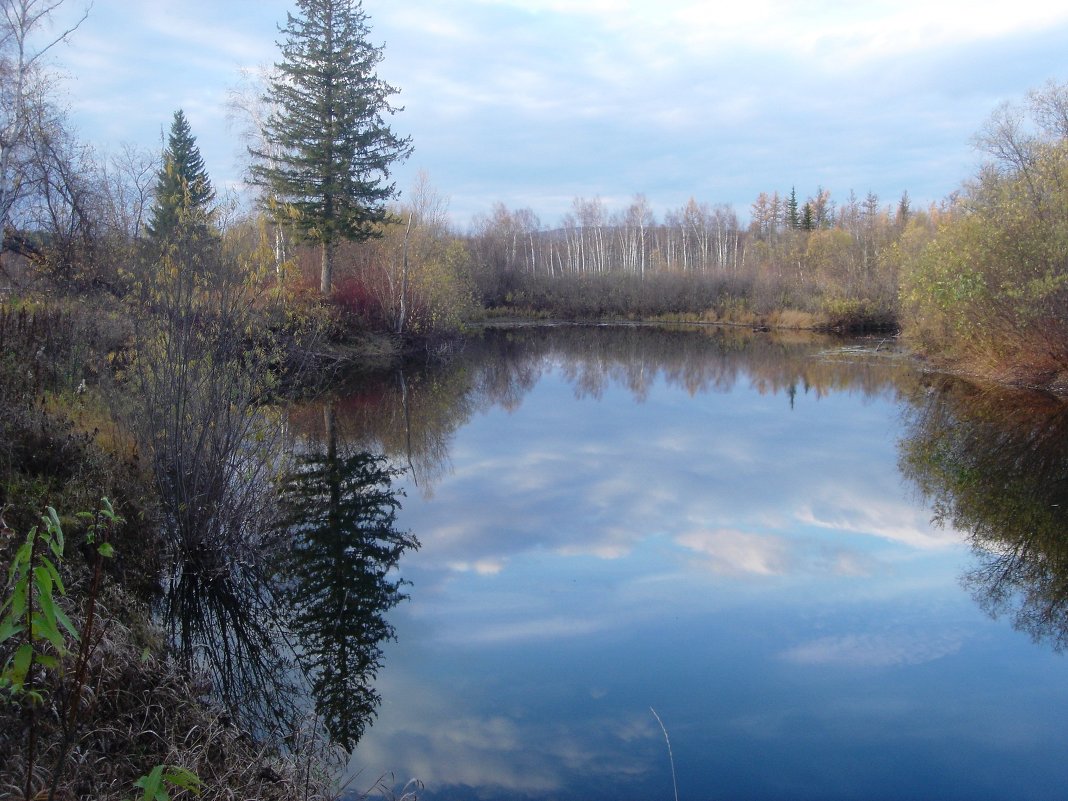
pixel 706 544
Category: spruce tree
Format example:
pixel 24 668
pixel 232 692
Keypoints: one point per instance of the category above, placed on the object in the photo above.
pixel 183 188
pixel 793 219
pixel 329 149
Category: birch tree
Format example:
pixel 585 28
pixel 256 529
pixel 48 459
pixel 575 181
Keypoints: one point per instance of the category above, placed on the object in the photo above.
pixel 25 41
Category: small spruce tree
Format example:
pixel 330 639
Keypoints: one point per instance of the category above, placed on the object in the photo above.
pixel 183 189
pixel 793 219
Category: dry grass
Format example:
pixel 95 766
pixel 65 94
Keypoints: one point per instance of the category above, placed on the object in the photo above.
pixel 795 319
pixel 137 711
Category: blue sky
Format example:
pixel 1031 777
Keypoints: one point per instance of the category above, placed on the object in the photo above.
pixel 536 102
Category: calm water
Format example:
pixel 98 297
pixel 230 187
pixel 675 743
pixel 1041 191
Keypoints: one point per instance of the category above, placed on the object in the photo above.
pixel 735 531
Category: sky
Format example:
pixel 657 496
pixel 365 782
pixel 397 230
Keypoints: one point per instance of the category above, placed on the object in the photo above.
pixel 534 103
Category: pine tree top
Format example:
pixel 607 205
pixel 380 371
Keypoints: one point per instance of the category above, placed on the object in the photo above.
pixel 326 169
pixel 183 152
pixel 183 187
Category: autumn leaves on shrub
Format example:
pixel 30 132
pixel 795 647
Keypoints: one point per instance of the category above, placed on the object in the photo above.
pixel 991 290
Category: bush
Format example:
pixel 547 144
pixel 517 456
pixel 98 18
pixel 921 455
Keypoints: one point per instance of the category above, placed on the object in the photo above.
pixel 991 290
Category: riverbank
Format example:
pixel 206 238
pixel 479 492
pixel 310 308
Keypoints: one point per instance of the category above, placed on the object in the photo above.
pixel 1051 381
pixel 1026 375
pixel 779 320
pixel 93 698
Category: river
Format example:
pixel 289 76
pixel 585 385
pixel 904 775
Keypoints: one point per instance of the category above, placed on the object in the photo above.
pixel 712 564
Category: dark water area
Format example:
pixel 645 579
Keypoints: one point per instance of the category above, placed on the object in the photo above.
pixel 827 574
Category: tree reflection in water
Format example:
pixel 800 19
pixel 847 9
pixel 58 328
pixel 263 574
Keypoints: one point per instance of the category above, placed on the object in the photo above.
pixel 226 620
pixel 995 467
pixel 274 617
pixel 412 416
pixel 341 512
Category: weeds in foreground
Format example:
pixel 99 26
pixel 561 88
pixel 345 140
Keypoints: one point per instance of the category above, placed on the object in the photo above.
pixel 32 617
pixel 87 710
pixel 154 785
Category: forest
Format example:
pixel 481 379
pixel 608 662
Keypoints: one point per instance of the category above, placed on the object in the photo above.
pixel 149 323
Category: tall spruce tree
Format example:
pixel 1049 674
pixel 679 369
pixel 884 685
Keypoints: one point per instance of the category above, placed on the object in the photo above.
pixel 183 188
pixel 330 149
pixel 793 218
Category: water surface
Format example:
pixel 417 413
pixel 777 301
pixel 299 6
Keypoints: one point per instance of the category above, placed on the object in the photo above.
pixel 735 531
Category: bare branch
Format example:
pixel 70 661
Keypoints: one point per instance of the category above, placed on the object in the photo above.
pixel 23 16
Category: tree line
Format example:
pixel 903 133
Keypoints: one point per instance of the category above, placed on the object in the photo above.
pixel 831 248
pixel 990 290
pixel 330 226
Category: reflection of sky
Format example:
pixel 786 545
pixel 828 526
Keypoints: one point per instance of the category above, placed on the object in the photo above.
pixel 757 573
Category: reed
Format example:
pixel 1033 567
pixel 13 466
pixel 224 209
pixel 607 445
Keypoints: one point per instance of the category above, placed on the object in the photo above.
pixel 671 757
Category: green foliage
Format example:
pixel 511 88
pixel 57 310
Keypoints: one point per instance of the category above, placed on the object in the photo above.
pixel 991 290
pixel 793 220
pixel 31 613
pixel 154 785
pixel 326 165
pixel 101 523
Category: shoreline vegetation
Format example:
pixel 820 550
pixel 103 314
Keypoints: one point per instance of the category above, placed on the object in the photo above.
pixel 148 327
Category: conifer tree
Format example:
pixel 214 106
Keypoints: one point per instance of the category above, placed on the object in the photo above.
pixel 183 188
pixel 793 219
pixel 329 148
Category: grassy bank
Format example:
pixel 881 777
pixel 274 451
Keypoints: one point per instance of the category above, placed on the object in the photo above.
pixel 88 709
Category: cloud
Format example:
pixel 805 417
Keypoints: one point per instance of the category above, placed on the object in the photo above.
pixel 873 650
pixel 429 23
pixel 449 738
pixel 681 492
pixel 739 553
pixel 483 567
pixel 887 517
pixel 534 102
pixel 528 629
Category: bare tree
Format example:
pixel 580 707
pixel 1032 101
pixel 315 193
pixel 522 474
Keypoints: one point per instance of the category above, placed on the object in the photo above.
pixel 1006 138
pixel 1050 109
pixel 126 180
pixel 1020 137
pixel 639 216
pixel 250 108
pixel 24 90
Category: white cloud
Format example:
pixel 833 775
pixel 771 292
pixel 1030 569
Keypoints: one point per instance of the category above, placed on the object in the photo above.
pixel 431 22
pixel 483 567
pixel 737 552
pixel 447 739
pixel 534 102
pixel 874 650
pixel 528 629
pixel 885 517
